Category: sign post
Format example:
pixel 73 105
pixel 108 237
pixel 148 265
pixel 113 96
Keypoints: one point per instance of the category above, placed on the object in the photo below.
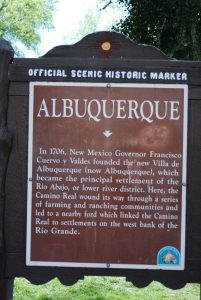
pixel 6 57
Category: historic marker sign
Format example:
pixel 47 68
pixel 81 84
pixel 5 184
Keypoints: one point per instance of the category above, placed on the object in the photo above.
pixel 94 181
pixel 106 175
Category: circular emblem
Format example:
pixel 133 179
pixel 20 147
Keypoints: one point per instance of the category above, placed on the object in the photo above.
pixel 106 46
pixel 168 256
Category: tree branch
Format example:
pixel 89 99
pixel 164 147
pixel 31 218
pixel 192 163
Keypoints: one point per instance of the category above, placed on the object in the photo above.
pixel 3 5
pixel 106 5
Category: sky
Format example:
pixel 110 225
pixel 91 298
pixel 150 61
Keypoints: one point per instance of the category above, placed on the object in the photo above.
pixel 67 22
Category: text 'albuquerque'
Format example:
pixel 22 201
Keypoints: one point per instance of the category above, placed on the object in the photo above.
pixel 146 110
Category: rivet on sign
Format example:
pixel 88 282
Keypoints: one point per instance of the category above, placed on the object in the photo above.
pixel 106 46
pixel 108 85
pixel 30 179
pixel 108 265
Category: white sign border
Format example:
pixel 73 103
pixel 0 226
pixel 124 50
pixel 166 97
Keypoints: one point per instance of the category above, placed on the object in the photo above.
pixel 29 262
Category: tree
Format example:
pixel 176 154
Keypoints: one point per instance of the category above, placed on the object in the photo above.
pixel 21 20
pixel 87 25
pixel 94 19
pixel 172 26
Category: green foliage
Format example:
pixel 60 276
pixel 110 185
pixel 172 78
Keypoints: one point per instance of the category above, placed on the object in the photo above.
pixel 101 288
pixel 21 20
pixel 87 25
pixel 172 26
pixel 93 19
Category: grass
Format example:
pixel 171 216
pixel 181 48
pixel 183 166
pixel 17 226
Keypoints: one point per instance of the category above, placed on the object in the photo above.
pixel 101 288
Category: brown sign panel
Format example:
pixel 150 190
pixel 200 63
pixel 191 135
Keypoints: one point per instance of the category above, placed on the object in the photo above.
pixel 106 175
